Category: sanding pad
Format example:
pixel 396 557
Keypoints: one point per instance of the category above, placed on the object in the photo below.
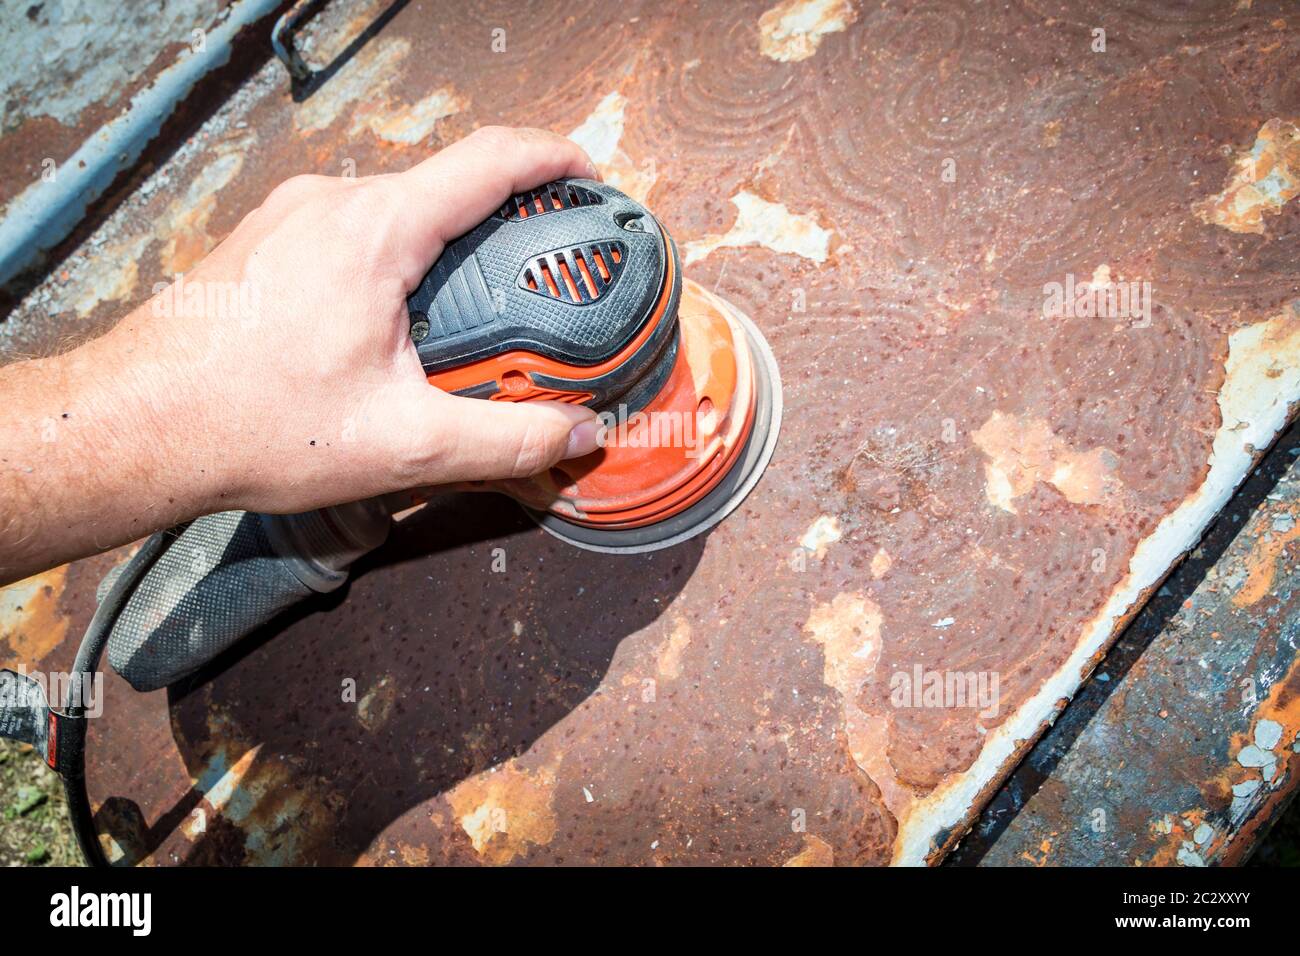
pixel 730 491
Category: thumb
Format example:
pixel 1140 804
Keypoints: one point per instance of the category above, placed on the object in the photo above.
pixel 471 439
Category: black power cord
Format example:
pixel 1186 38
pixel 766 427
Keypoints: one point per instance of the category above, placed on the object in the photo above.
pixel 87 661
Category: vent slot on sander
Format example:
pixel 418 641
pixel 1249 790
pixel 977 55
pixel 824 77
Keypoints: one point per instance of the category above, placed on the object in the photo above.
pixel 549 198
pixel 578 274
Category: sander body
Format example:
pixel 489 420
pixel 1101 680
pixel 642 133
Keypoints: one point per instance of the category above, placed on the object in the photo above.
pixel 573 292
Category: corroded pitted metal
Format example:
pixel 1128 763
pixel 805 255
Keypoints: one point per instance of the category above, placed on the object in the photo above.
pixel 982 488
pixel 1184 754
pixel 79 110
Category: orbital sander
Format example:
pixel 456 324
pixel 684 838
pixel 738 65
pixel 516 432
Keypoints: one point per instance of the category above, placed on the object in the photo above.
pixel 570 292
pixel 573 292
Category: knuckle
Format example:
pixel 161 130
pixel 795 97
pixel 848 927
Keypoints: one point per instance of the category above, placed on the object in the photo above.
pixel 494 138
pixel 295 192
pixel 533 452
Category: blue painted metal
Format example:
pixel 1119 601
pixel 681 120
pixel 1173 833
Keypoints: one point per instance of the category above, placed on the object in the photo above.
pixel 1168 756
pixel 46 212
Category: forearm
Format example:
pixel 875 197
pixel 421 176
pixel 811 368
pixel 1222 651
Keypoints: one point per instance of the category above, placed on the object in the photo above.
pixel 96 449
pixel 311 394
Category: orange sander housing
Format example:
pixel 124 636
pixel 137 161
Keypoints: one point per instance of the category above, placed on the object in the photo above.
pixel 573 292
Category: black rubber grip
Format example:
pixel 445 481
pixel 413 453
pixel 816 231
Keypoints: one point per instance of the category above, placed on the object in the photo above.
pixel 571 270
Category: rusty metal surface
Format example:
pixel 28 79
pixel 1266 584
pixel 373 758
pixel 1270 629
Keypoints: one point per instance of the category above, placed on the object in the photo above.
pixel 1185 744
pixel 71 67
pixel 89 88
pixel 964 485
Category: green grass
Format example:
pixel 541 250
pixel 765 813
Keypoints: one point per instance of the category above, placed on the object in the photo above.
pixel 34 828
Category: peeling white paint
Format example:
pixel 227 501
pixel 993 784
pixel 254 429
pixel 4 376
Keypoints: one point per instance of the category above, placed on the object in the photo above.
pixel 365 77
pixel 768 224
pixel 1188 856
pixel 1264 178
pixel 414 124
pixel 111 275
pixel 600 134
pixel 793 30
pixel 821 534
pixel 1268 734
pixel 601 131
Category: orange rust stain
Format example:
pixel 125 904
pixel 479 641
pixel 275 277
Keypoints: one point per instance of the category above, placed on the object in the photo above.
pixel 1044 853
pixel 413 855
pixel 1264 178
pixel 190 241
pixel 31 624
pixel 1261 566
pixel 505 811
pixel 1022 451
pixel 669 662
pixel 815 852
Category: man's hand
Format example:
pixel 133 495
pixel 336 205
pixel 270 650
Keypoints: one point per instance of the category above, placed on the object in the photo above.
pixel 279 375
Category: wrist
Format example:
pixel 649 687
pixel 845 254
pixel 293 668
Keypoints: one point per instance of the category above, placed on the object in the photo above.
pixel 143 387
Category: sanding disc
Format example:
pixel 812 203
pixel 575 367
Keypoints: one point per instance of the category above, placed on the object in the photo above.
pixel 725 497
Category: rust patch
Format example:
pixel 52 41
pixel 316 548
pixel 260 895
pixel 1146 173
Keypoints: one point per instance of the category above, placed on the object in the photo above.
pixel 376 706
pixel 505 811
pixel 31 624
pixel 1261 565
pixel 915 325
pixel 815 852
pixel 1264 178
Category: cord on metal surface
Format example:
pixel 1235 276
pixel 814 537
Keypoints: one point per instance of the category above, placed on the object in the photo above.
pixel 88 657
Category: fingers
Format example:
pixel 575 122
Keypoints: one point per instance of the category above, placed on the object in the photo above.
pixel 471 439
pixel 451 192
